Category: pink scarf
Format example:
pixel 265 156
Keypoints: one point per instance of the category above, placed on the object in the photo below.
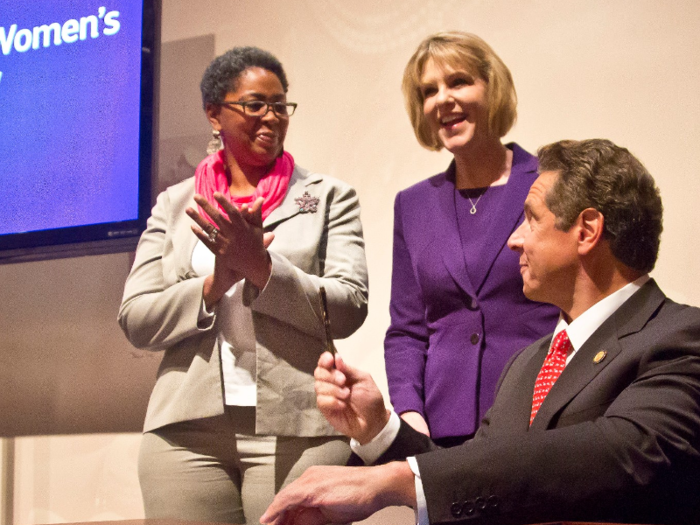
pixel 210 176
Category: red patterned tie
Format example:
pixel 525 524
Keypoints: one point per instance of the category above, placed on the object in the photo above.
pixel 551 369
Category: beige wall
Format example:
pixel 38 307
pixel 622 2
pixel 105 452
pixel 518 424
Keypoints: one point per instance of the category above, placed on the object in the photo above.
pixel 627 70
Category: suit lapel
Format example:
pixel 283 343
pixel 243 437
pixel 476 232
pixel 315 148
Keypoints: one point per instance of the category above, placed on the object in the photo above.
pixel 183 239
pixel 451 243
pixel 521 389
pixel 523 174
pixel 298 184
pixel 630 318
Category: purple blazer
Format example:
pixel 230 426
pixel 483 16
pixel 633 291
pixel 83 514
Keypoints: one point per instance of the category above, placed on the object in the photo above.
pixel 452 333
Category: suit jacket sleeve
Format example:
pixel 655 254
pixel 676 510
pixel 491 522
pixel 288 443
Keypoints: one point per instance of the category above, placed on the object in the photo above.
pixel 291 295
pixel 160 309
pixel 408 442
pixel 406 341
pixel 632 458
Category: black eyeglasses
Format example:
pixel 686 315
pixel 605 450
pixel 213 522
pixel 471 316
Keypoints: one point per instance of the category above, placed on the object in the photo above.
pixel 259 108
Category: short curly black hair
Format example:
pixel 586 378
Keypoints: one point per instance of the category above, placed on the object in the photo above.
pixel 221 75
pixel 598 174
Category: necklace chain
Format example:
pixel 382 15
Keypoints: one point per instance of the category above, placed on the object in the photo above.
pixel 472 210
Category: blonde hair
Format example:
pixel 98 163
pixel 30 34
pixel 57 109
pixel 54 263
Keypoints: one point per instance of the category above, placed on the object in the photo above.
pixel 460 50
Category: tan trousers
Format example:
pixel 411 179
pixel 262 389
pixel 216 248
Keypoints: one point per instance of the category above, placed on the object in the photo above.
pixel 216 469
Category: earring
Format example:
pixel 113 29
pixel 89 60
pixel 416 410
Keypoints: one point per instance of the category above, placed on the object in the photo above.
pixel 215 143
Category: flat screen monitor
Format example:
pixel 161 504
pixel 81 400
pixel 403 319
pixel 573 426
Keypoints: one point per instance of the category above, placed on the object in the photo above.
pixel 76 125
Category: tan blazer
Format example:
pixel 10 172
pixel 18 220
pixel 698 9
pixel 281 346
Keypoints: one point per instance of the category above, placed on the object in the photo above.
pixel 163 298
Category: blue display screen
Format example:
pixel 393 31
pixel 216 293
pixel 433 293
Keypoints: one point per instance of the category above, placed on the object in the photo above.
pixel 70 114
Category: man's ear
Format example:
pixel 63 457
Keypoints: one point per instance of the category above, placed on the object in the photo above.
pixel 213 111
pixel 590 225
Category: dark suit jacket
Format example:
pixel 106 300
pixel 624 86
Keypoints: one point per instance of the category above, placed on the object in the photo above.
pixel 452 331
pixel 614 441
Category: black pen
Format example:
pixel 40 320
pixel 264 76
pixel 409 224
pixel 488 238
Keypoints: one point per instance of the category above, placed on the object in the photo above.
pixel 330 347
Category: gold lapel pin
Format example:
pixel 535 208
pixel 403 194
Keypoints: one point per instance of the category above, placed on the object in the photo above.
pixel 600 356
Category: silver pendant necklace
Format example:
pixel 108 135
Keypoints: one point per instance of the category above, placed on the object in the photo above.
pixel 472 210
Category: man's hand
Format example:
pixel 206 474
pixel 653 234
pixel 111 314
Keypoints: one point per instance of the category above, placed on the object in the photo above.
pixel 349 398
pixel 324 494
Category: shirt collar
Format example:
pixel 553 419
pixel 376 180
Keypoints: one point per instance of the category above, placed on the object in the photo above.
pixel 589 321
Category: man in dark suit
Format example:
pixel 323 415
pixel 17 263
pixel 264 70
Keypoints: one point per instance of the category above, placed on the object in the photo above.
pixel 598 422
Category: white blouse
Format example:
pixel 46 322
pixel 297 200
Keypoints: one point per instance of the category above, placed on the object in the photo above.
pixel 236 336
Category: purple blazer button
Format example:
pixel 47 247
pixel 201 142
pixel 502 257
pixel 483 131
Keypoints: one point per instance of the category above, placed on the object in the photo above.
pixel 474 338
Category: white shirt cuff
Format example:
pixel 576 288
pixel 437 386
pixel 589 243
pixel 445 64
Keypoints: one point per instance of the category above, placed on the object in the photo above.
pixel 421 505
pixel 205 319
pixel 371 452
pixel 204 313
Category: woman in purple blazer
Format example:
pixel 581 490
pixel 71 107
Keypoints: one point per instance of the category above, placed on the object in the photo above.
pixel 458 312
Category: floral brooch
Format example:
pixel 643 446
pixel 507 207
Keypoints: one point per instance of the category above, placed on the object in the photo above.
pixel 307 203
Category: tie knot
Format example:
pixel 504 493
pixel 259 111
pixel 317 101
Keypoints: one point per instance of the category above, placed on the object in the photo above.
pixel 561 344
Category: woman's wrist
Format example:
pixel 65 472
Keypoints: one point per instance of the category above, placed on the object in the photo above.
pixel 416 420
pixel 210 294
pixel 261 273
pixel 215 288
